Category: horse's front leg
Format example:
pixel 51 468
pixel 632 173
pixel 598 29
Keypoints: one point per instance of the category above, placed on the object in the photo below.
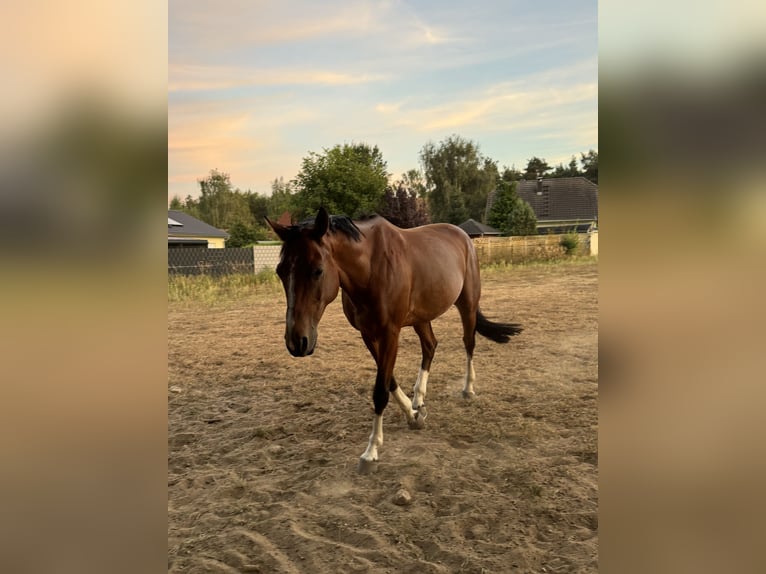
pixel 386 347
pixel 415 419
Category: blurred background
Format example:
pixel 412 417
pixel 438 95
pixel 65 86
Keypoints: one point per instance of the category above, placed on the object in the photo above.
pixel 682 87
pixel 83 168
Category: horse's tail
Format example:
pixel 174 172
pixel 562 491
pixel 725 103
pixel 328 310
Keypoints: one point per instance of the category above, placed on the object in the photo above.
pixel 498 332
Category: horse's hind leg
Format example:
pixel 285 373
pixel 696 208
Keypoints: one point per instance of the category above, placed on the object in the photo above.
pixel 428 346
pixel 468 308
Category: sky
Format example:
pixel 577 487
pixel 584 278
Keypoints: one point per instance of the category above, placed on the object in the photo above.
pixel 255 86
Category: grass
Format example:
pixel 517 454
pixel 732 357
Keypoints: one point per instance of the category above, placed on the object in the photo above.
pixel 503 266
pixel 212 290
pixel 216 289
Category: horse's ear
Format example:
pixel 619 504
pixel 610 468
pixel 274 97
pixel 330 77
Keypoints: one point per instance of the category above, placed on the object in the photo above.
pixel 321 223
pixel 280 230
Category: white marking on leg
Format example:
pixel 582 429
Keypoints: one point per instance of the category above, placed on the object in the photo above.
pixel 470 377
pixel 405 404
pixel 419 391
pixel 376 440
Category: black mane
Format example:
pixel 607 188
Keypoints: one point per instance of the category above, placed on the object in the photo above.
pixel 341 223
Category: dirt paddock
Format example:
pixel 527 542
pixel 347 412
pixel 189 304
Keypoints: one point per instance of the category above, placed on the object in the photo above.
pixel 263 447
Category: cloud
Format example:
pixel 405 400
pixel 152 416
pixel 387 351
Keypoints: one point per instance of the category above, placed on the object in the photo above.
pixel 498 108
pixel 204 78
pixel 199 24
pixel 391 108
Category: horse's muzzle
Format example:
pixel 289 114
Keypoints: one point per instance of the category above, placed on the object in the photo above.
pixel 300 346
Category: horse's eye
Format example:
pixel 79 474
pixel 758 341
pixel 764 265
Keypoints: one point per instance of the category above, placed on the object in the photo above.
pixel 317 273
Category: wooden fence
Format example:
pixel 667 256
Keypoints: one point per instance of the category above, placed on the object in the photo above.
pixel 528 248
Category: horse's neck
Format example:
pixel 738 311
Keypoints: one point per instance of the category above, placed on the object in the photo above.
pixel 353 261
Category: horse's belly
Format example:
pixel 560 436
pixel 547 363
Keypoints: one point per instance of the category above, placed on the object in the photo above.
pixel 433 301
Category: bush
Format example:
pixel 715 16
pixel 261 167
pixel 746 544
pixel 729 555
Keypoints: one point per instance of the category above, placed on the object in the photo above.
pixel 569 242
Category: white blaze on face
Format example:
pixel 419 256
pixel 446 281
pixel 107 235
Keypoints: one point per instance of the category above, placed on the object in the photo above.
pixel 290 292
pixel 419 391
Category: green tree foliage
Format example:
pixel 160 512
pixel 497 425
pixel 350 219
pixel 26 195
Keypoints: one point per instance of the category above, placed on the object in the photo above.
pixel 176 204
pixel 510 174
pixel 191 206
pixel 589 163
pixel 413 180
pixel 403 207
pixel 570 170
pixel 509 213
pixel 222 205
pixel 348 179
pixel 259 207
pixel 240 235
pixel 219 203
pixel 536 167
pixel 281 198
pixel 458 179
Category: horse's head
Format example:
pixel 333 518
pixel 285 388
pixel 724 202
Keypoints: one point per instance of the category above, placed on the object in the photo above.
pixel 310 278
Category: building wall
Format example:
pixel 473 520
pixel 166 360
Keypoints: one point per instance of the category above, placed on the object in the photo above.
pixel 212 242
pixel 216 242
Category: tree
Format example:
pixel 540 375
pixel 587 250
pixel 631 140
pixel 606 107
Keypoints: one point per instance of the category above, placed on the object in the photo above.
pixel 509 213
pixel 510 174
pixel 589 163
pixel 403 207
pixel 413 180
pixel 536 167
pixel 259 207
pixel 240 235
pixel 571 170
pixel 281 199
pixel 191 206
pixel 458 179
pixel 219 203
pixel 348 179
pixel 175 204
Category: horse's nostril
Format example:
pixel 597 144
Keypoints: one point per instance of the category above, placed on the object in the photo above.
pixel 304 345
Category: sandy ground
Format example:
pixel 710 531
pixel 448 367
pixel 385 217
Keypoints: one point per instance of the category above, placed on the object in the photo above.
pixel 263 447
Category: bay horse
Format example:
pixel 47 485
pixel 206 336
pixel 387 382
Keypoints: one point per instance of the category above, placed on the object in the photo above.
pixel 391 278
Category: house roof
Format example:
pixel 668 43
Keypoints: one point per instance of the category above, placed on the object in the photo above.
pixel 557 198
pixel 474 228
pixel 561 198
pixel 191 226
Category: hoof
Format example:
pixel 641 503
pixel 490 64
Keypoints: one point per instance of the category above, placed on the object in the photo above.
pixel 367 466
pixel 469 395
pixel 419 422
pixel 416 424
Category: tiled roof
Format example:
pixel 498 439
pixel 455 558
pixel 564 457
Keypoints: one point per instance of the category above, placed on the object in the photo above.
pixel 570 198
pixel 561 198
pixel 191 226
